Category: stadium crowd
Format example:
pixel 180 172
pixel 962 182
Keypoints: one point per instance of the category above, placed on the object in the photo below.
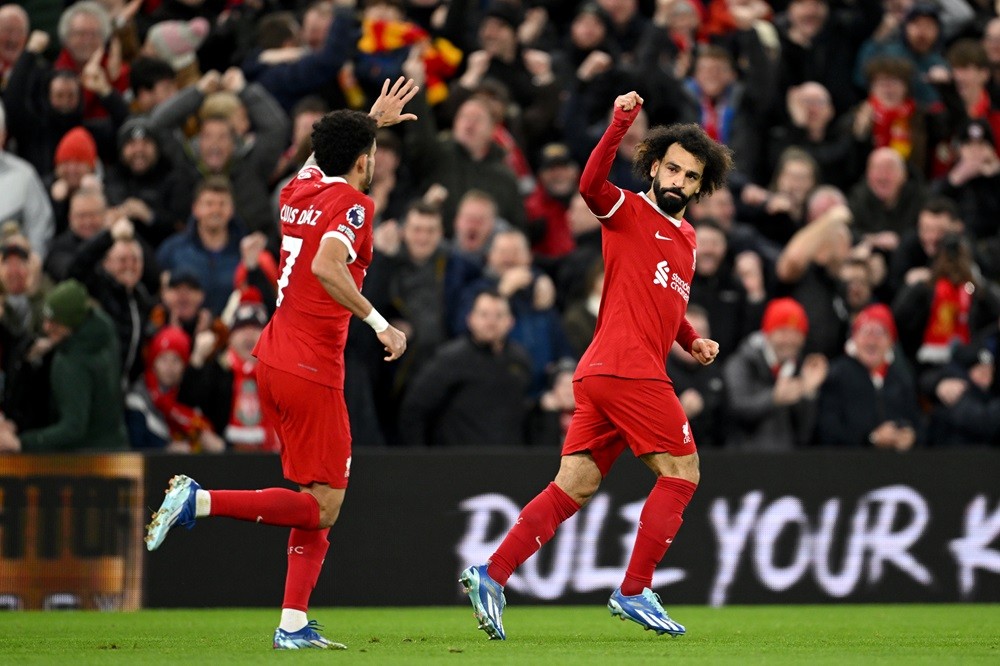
pixel 849 272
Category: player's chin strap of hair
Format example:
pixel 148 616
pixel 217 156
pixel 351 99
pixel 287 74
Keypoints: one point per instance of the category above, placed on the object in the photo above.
pixel 376 321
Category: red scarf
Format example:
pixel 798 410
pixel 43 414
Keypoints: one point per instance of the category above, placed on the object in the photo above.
pixel 441 57
pixel 248 429
pixel 878 374
pixel 185 423
pixel 891 126
pixel 514 158
pixel 948 321
pixel 981 109
pixel 710 118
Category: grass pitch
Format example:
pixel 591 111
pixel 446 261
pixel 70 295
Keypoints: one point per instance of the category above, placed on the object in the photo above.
pixel 904 634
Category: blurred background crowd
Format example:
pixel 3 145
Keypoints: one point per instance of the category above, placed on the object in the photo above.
pixel 849 272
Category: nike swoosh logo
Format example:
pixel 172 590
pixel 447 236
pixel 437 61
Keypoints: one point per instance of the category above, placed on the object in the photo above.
pixel 660 237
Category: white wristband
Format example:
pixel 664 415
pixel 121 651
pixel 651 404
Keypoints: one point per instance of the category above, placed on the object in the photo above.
pixel 376 321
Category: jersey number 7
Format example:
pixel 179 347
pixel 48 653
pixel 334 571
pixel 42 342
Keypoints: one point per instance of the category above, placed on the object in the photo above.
pixel 292 246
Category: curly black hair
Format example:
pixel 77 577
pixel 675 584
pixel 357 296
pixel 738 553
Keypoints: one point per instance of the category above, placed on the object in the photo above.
pixel 717 157
pixel 340 137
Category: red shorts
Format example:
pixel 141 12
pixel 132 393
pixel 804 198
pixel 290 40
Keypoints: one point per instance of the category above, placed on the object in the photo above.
pixel 312 425
pixel 613 412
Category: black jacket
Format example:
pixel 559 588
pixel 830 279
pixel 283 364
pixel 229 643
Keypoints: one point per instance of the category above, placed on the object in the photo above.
pixel 467 395
pixel 127 309
pixel 851 407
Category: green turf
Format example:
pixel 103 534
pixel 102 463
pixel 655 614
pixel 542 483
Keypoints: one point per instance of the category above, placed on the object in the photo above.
pixel 903 634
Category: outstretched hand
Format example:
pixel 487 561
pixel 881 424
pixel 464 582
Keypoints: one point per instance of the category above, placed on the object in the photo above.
pixel 704 350
pixel 388 107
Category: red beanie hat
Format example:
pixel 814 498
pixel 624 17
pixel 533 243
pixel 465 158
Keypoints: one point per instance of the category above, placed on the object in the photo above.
pixel 876 314
pixel 170 338
pixel 785 313
pixel 77 146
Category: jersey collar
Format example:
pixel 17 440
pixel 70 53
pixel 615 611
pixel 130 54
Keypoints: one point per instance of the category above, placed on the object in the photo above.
pixel 323 177
pixel 673 220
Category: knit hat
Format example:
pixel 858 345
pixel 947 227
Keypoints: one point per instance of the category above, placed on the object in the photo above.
pixel 597 12
pixel 249 314
pixel 923 8
pixel 170 338
pixel 67 304
pixel 77 145
pixel 185 276
pixel 555 154
pixel 975 129
pixel 876 314
pixel 969 355
pixel 137 128
pixel 177 41
pixel 506 11
pixel 784 313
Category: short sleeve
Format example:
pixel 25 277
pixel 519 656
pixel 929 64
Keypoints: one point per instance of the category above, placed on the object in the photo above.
pixel 349 224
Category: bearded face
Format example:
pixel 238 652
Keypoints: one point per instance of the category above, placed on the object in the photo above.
pixel 671 200
pixel 676 180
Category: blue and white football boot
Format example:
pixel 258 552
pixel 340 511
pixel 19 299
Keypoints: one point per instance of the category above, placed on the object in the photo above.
pixel 646 610
pixel 178 508
pixel 306 638
pixel 486 597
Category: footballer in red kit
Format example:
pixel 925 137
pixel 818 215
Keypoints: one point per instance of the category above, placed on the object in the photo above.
pixel 305 338
pixel 313 327
pixel 624 399
pixel 326 246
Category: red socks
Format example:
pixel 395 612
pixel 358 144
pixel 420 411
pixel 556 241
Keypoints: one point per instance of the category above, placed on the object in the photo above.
pixel 658 524
pixel 271 506
pixel 307 545
pixel 306 550
pixel 534 527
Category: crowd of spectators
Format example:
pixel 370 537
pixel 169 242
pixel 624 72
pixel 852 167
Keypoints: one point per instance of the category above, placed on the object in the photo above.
pixel 849 271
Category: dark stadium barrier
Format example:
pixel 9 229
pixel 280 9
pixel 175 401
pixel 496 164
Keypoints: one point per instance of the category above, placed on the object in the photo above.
pixel 809 527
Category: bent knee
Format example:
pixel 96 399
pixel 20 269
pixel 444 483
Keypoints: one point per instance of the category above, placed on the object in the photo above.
pixel 580 489
pixel 693 475
pixel 328 515
pixel 688 469
pixel 329 500
pixel 582 494
pixel 678 467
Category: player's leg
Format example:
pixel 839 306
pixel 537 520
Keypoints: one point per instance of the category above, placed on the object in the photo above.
pixel 306 554
pixel 316 444
pixel 576 481
pixel 659 521
pixel 186 500
pixel 654 424
pixel 590 448
pixel 661 516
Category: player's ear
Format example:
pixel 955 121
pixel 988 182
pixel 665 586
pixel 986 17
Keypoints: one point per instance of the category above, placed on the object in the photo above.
pixel 653 168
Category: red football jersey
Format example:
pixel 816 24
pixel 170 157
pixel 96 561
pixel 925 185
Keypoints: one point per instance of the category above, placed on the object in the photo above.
pixel 307 334
pixel 649 260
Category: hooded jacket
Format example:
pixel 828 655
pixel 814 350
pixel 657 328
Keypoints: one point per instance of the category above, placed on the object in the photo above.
pixel 86 398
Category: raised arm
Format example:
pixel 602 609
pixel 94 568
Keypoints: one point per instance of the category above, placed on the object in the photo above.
pixel 801 250
pixel 304 76
pixel 601 196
